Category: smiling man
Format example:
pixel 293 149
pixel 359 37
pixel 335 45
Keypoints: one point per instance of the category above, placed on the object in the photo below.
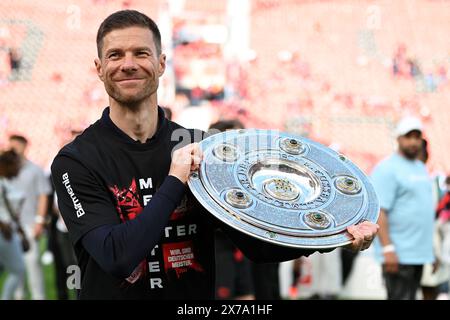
pixel 137 232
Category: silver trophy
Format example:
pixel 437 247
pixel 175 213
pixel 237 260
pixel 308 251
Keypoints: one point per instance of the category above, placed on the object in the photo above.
pixel 282 188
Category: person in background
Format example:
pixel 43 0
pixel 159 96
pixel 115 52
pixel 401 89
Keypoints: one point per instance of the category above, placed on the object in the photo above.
pixel 434 274
pixel 11 253
pixel 404 188
pixel 443 213
pixel 348 259
pixel 32 181
pixel 234 279
pixel 58 237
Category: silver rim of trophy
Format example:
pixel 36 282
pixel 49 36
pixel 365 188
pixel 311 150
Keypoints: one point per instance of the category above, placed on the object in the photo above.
pixel 282 188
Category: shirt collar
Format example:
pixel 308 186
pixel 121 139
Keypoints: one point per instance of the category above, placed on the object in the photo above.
pixel 106 120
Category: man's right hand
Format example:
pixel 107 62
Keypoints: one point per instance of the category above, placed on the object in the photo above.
pixel 185 160
pixel 390 264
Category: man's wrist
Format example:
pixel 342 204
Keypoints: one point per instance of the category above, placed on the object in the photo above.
pixel 39 219
pixel 388 248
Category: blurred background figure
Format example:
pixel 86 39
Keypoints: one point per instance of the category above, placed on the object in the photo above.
pixel 11 252
pixel 58 236
pixel 32 182
pixel 321 278
pixel 435 275
pixel 443 222
pixel 347 263
pixel 407 213
pixel 266 281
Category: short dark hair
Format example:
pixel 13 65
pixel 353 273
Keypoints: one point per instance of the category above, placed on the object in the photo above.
pixel 124 19
pixel 9 163
pixel 19 138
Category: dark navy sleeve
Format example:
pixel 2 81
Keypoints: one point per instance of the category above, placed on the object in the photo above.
pixel 119 248
pixel 257 250
pixel 260 251
pixel 93 222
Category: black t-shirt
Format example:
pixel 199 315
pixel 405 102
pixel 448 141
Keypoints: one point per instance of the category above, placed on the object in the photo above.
pixel 112 178
pixel 105 178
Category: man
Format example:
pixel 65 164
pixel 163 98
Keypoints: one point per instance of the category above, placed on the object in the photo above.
pixel 127 246
pixel 36 187
pixel 406 219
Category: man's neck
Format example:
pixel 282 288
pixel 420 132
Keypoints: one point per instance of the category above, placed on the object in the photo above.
pixel 139 123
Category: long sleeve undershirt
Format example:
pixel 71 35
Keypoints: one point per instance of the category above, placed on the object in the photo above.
pixel 119 248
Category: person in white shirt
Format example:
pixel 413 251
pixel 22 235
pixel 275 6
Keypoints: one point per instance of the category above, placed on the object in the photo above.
pixel 11 254
pixel 32 181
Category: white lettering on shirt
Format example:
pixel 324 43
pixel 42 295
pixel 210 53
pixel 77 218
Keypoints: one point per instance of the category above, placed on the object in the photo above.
pixel 156 282
pixel 76 203
pixel 181 230
pixel 153 266
pixel 192 229
pixel 166 231
pixel 147 199
pixel 153 251
pixel 146 184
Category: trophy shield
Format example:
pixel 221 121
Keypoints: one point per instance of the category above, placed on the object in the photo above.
pixel 282 188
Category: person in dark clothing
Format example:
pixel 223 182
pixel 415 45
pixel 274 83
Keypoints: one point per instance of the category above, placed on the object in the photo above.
pixel 58 240
pixel 137 231
pixel 348 260
pixel 251 280
pixel 53 246
pixel 234 276
pixel 266 280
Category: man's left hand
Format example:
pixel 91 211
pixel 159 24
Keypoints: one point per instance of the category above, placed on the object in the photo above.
pixel 363 234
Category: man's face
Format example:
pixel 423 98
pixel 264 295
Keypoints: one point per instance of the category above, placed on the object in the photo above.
pixel 410 144
pixel 130 66
pixel 18 147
